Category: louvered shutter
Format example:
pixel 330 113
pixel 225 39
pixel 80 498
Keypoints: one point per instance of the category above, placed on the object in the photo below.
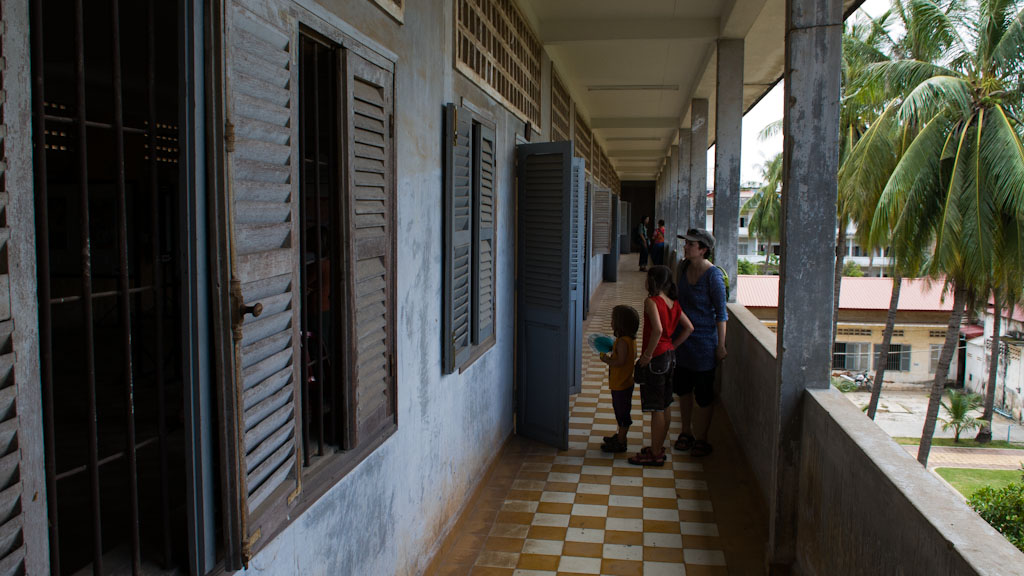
pixel 545 358
pixel 577 270
pixel 483 231
pixel 602 221
pixel 458 237
pixel 370 244
pixel 262 142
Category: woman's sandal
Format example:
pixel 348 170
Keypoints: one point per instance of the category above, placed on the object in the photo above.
pixel 646 457
pixel 701 448
pixel 684 442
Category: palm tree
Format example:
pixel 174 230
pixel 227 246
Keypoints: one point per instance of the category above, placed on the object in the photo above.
pixel 766 220
pixel 861 102
pixel 959 187
pixel 959 409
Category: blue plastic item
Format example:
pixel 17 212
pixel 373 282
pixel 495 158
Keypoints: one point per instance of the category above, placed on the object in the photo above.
pixel 601 343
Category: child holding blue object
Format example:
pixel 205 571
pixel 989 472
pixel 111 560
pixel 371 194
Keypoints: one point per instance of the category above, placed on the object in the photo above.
pixel 625 323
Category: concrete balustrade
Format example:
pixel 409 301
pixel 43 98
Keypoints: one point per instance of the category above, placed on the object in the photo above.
pixel 864 505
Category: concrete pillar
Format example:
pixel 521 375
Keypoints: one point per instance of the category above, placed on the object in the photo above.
pixel 683 202
pixel 811 159
pixel 672 222
pixel 728 140
pixel 698 163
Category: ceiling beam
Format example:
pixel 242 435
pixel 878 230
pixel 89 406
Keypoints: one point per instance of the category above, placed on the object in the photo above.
pixel 600 123
pixel 566 31
pixel 653 154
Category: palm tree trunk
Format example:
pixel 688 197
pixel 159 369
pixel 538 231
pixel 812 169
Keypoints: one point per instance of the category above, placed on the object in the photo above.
pixel 883 351
pixel 948 347
pixel 840 260
pixel 767 248
pixel 985 433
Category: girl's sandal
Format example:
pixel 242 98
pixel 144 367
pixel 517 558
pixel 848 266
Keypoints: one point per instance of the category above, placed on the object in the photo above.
pixel 684 442
pixel 701 448
pixel 647 458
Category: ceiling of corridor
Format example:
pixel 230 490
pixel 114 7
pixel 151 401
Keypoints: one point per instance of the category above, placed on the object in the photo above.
pixel 633 67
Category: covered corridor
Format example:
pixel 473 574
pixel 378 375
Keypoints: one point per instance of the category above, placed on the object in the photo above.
pixel 542 511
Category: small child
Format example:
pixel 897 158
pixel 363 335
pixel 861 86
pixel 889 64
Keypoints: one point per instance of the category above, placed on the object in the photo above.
pixel 625 323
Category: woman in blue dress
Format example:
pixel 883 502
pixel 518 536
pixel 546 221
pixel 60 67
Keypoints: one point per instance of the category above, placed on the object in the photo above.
pixel 701 289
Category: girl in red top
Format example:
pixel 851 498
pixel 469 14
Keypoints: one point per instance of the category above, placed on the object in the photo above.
pixel 661 315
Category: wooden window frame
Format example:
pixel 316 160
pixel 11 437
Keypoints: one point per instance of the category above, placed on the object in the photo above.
pixel 323 472
pixel 458 358
pixel 248 529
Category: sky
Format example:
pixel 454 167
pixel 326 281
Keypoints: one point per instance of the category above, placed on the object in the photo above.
pixel 755 153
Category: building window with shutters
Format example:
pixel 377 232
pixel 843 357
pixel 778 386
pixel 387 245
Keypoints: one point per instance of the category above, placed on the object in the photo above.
pixel 469 238
pixel 346 271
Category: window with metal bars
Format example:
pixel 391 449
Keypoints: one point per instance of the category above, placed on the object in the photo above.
pixel 321 225
pixel 109 200
pixel 898 358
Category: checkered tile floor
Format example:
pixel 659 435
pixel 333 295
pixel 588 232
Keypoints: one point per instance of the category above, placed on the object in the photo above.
pixel 545 512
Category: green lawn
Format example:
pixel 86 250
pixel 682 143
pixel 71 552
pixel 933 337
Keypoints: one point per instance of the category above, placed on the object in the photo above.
pixel 963 443
pixel 968 480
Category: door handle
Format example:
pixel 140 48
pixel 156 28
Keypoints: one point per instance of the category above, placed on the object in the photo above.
pixel 254 309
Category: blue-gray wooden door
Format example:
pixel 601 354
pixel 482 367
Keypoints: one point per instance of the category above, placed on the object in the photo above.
pixel 588 217
pixel 579 271
pixel 546 317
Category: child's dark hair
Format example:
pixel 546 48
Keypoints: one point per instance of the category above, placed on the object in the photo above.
pixel 659 279
pixel 625 321
pixel 661 222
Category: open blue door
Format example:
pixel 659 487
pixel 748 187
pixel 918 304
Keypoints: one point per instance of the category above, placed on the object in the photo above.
pixel 546 362
pixel 577 287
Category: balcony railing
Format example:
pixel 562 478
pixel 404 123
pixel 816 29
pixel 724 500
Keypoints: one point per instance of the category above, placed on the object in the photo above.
pixel 865 505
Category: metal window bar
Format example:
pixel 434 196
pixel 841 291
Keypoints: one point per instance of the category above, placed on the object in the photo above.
pixel 319 220
pixel 79 125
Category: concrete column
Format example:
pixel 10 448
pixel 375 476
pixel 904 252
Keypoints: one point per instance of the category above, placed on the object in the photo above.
pixel 811 159
pixel 672 222
pixel 545 98
pixel 683 202
pixel 698 163
pixel 728 140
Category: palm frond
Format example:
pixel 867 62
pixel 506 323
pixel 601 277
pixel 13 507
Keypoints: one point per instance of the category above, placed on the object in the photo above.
pixel 1008 53
pixel 937 95
pixel 1003 154
pixel 771 130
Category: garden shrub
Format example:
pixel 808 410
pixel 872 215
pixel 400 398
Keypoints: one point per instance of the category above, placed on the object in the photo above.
pixel 1003 508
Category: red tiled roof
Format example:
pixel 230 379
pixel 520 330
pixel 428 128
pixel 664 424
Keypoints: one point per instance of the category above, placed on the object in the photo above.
pixel 972 331
pixel 856 294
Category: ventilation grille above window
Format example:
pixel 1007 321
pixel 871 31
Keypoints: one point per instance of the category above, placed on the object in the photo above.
pixel 561 108
pixel 584 140
pixel 495 47
pixel 855 332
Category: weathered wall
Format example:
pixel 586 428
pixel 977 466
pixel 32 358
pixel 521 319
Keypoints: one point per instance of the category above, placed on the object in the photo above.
pixel 867 507
pixel 748 390
pixel 388 515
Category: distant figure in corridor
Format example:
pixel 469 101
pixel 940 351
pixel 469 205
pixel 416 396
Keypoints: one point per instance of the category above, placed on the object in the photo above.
pixel 625 323
pixel 643 237
pixel 661 316
pixel 658 244
pixel 701 290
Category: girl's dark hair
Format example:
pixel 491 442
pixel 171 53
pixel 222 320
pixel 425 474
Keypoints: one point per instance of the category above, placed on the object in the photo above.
pixel 659 279
pixel 661 222
pixel 625 321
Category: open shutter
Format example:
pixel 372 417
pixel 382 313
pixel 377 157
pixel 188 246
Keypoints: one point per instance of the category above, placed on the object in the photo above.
pixel 483 232
pixel 370 243
pixel 262 142
pixel 544 317
pixel 602 221
pixel 577 271
pixel 458 237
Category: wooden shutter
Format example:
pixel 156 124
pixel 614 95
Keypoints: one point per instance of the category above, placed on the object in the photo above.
pixel 602 221
pixel 370 244
pixel 458 237
pixel 262 171
pixel 483 231
pixel 577 270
